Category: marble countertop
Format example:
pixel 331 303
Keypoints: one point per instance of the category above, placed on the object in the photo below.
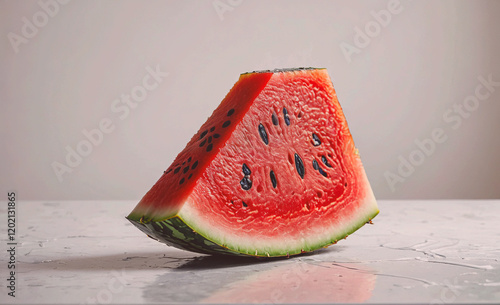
pixel 86 252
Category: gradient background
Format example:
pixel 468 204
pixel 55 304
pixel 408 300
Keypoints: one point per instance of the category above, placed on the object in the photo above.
pixel 395 91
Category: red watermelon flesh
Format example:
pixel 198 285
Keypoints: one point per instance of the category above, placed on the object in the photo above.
pixel 273 172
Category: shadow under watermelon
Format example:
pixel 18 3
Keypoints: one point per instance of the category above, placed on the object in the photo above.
pixel 226 261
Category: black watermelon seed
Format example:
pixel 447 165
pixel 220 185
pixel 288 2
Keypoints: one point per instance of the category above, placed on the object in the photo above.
pixel 195 164
pixel 212 129
pixel 177 170
pixel 246 183
pixel 275 119
pixel 316 140
pixel 286 117
pixel 244 204
pixel 183 162
pixel 209 147
pixel 210 139
pixel 345 184
pixel 169 170
pixel 190 175
pixel 226 123
pixel 299 165
pixel 323 158
pixel 230 112
pixel 216 135
pixel 182 181
pixel 273 179
pixel 203 142
pixel 321 171
pixel 203 134
pixel 246 170
pixel 315 164
pixel 263 134
pixel 189 159
pixel 185 169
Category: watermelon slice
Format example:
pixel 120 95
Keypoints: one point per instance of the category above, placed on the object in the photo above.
pixel 273 172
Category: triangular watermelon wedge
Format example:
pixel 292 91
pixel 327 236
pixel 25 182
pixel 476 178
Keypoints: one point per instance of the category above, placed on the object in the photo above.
pixel 272 172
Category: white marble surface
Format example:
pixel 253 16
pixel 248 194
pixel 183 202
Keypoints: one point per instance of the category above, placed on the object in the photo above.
pixel 435 252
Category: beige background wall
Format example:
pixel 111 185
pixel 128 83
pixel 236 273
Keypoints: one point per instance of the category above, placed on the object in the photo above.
pixel 65 69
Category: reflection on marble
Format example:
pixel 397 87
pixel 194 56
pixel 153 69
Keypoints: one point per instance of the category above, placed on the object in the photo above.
pixel 437 252
pixel 262 281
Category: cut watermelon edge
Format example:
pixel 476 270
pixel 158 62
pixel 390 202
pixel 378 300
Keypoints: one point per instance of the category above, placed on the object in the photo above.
pixel 283 70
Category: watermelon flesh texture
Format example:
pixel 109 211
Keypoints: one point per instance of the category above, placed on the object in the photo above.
pixel 273 172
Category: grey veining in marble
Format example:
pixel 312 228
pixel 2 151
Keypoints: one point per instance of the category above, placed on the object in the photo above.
pixel 436 252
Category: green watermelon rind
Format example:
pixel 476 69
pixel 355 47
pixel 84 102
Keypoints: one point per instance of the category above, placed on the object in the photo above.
pixel 176 233
pixel 184 234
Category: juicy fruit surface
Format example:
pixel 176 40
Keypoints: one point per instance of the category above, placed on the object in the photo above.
pixel 167 196
pixel 284 178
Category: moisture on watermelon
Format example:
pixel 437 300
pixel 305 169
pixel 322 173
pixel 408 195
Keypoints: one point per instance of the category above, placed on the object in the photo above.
pixel 272 172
